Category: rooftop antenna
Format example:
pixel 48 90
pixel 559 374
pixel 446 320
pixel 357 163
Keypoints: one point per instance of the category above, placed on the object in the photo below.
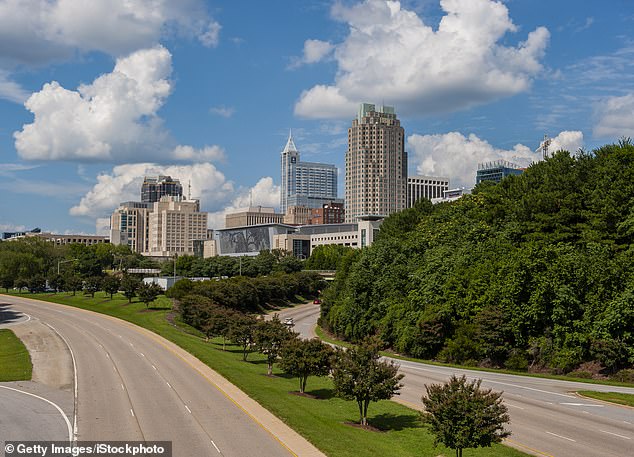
pixel 544 147
pixel 189 190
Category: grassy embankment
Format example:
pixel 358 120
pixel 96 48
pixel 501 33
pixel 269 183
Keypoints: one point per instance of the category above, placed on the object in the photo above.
pixel 321 421
pixel 612 397
pixel 330 339
pixel 15 361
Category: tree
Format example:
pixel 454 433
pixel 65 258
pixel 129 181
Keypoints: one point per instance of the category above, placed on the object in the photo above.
pixel 20 283
pixel 36 283
pixel 461 415
pixel 218 323
pixel 92 284
pixel 268 337
pixel 111 285
pixel 241 332
pixel 148 293
pixel 129 286
pixel 56 282
pixel 360 375
pixel 6 281
pixel 303 358
pixel 72 283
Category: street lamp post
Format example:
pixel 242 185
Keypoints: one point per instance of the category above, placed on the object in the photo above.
pixel 59 262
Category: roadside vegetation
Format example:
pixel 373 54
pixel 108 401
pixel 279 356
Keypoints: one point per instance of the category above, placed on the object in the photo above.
pixel 534 274
pixel 15 361
pixel 319 415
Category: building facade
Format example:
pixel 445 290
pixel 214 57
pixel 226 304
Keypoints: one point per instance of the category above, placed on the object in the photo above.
pixel 174 224
pixel 304 183
pixel 496 171
pixel 329 213
pixel 129 225
pixel 154 187
pixel 254 215
pixel 376 164
pixel 297 215
pixel 428 187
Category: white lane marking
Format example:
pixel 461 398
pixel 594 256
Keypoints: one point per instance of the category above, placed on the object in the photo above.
pixel 212 442
pixel 72 356
pixel 616 434
pixel 131 412
pixel 153 367
pixel 628 422
pixel 168 384
pixel 131 344
pixel 581 404
pixel 404 365
pixel 188 410
pixel 514 406
pixel 70 428
pixel 564 437
pixel 122 388
pixel 142 355
pixel 107 355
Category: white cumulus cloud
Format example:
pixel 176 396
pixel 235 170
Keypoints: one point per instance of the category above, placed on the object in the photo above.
pixel 10 90
pixel 456 156
pixel 391 54
pixel 263 193
pixel 615 117
pixel 113 119
pixel 124 184
pixel 39 31
pixel 314 51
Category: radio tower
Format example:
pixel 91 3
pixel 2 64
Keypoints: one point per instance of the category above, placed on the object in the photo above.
pixel 544 147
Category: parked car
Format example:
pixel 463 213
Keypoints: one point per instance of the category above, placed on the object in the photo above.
pixel 289 321
pixel 316 301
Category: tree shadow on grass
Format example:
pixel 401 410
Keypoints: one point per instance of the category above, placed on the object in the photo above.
pixel 387 422
pixel 322 394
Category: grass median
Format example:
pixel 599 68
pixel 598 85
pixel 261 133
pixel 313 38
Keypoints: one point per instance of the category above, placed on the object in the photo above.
pixel 322 420
pixel 612 397
pixel 15 361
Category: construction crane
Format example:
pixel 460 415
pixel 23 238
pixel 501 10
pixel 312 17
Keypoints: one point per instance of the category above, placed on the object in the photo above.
pixel 543 146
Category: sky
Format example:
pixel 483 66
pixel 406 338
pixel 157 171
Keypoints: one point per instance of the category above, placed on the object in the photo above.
pixel 95 95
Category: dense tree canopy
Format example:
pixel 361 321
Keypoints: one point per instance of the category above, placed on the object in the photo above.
pixel 537 271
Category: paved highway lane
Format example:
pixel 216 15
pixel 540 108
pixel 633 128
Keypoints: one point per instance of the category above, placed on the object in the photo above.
pixel 134 385
pixel 547 419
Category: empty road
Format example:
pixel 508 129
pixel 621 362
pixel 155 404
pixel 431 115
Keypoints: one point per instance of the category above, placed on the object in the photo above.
pixel 547 419
pixel 135 385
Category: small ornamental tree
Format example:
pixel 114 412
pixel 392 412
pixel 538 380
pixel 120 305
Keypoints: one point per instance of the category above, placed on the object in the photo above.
pixel 20 283
pixel 360 375
pixel 72 283
pixel 36 283
pixel 148 293
pixel 129 286
pixel 461 415
pixel 241 332
pixel 56 282
pixel 92 285
pixel 6 281
pixel 111 285
pixel 218 323
pixel 304 358
pixel 268 337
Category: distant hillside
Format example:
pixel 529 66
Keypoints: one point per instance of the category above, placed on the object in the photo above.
pixel 537 271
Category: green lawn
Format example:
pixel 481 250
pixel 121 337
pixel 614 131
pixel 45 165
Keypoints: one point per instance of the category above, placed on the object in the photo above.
pixel 322 421
pixel 614 397
pixel 15 361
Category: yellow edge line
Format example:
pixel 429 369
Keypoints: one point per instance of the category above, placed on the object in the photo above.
pixel 155 336
pixel 517 443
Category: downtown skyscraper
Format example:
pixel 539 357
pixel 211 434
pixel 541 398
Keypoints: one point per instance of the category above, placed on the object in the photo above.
pixel 376 164
pixel 307 184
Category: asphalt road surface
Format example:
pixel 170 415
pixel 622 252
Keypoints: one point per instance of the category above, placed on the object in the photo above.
pixel 547 418
pixel 134 385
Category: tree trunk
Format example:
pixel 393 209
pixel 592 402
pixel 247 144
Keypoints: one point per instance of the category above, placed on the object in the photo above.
pixel 361 417
pixel 223 342
pixel 270 369
pixel 366 403
pixel 303 383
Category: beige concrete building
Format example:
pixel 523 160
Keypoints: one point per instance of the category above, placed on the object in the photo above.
pixel 254 215
pixel 174 224
pixel 63 239
pixel 425 187
pixel 376 164
pixel 297 215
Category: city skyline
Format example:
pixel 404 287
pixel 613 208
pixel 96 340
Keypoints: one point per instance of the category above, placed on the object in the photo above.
pixel 206 92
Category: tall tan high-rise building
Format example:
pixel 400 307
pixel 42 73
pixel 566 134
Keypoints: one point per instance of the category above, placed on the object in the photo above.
pixel 376 164
pixel 174 224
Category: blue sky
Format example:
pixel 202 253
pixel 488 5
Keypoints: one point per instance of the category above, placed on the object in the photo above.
pixel 91 99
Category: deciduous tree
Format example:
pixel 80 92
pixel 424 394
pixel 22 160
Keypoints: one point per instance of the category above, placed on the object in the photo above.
pixel 461 415
pixel 268 337
pixel 304 358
